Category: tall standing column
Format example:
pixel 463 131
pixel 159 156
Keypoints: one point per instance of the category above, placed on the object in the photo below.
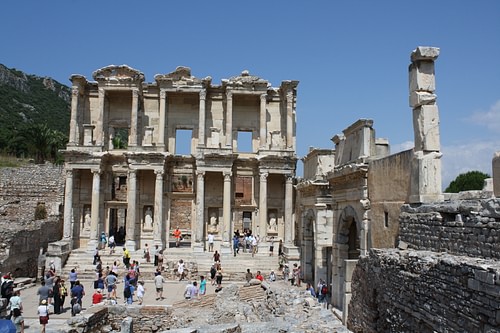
pixel 288 208
pixel 289 119
pixel 201 125
pixel 68 206
pixel 161 123
pixel 95 209
pixel 227 208
pixel 229 119
pixel 158 214
pixel 263 121
pixel 134 123
pixel 263 204
pixel 131 210
pixel 73 125
pixel 200 206
pixel 99 133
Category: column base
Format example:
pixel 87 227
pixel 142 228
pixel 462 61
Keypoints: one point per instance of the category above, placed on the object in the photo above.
pixel 292 253
pixel 198 248
pixel 225 248
pixel 92 244
pixel 130 245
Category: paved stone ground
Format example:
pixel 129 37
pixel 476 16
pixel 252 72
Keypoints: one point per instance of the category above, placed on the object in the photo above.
pixel 173 292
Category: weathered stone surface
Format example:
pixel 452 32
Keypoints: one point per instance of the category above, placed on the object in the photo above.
pixel 426 125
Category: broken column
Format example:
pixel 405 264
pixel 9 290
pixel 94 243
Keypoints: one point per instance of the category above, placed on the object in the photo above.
pixel 426 165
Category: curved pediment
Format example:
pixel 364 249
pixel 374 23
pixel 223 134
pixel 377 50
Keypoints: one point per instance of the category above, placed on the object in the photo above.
pixel 181 77
pixel 121 73
pixel 245 80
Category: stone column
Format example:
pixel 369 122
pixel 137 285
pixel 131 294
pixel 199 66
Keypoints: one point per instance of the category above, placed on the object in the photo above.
pixel 288 208
pixel 68 206
pixel 289 119
pixel 134 119
pixel 226 230
pixel 229 119
pixel 73 124
pixel 161 123
pixel 95 209
pixel 130 243
pixel 158 217
pixel 263 204
pixel 263 121
pixel 99 129
pixel 426 165
pixel 201 125
pixel 200 209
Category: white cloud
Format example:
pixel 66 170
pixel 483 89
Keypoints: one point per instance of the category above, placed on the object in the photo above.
pixel 490 119
pixel 466 157
pixel 399 147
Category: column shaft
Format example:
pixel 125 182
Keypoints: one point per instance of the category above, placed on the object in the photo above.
pixel 263 204
pixel 229 119
pixel 131 210
pixel 161 123
pixel 134 123
pixel 98 130
pixel 158 213
pixel 201 125
pixel 263 121
pixel 200 206
pixel 289 120
pixel 73 125
pixel 227 208
pixel 95 209
pixel 68 205
pixel 288 208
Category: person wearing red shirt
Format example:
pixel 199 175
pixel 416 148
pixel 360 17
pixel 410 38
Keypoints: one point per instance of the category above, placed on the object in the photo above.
pixel 259 276
pixel 97 297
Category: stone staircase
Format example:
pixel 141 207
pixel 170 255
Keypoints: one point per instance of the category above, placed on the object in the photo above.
pixel 234 268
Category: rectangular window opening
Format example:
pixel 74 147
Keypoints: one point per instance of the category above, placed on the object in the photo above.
pixel 183 139
pixel 244 144
pixel 120 138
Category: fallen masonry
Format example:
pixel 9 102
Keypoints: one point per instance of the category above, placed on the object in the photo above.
pixel 247 309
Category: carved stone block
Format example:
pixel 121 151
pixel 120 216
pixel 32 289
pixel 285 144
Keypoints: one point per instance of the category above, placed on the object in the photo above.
pixel 426 128
pixel 422 76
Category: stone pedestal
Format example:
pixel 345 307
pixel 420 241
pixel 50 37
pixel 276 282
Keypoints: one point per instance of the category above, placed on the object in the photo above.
pixel 198 248
pixel 226 248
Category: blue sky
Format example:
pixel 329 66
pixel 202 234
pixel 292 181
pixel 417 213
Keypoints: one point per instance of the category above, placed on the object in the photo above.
pixel 351 57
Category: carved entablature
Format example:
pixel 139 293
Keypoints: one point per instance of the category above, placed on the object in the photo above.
pixel 180 78
pixel 245 81
pixel 118 74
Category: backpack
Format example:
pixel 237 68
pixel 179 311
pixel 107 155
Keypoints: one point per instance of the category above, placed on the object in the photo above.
pixel 324 290
pixel 7 289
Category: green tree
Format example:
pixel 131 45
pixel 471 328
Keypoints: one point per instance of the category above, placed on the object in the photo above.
pixel 44 143
pixel 472 180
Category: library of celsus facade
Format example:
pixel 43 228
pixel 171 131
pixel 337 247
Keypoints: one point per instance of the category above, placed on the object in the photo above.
pixel 146 158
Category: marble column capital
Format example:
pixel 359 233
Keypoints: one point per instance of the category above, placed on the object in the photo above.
pixel 135 93
pixel 69 173
pixel 263 97
pixel 203 94
pixel 227 176
pixel 96 172
pixel 163 93
pixel 263 176
pixel 159 173
pixel 229 95
pixel 289 96
pixel 132 173
pixel 75 91
pixel 200 174
pixel 289 179
pixel 101 92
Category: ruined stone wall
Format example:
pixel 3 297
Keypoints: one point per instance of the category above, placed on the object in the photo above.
pixel 462 227
pixel 419 291
pixel 21 236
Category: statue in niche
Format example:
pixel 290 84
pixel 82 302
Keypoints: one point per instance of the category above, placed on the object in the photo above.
pixel 148 219
pixel 272 225
pixel 213 225
pixel 87 218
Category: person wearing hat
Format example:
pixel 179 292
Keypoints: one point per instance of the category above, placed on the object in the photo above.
pixel 97 297
pixel 43 314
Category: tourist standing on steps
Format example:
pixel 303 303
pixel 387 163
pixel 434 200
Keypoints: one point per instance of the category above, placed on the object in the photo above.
pixel 178 237
pixel 78 292
pixel 310 290
pixel 140 292
pixel 280 247
pixel 43 292
pixel 210 239
pixel 43 314
pixel 73 276
pixel 159 281
pixel 271 247
pixel 146 253
pixel 96 256
pixel 218 279
pixel 15 302
pixel 56 292
pixel 213 271
pixel 156 253
pixel 160 260
pixel 216 256
pixel 236 242
pixel 104 240
pixel 112 244
pixel 180 269
pixel 126 257
pixel 110 284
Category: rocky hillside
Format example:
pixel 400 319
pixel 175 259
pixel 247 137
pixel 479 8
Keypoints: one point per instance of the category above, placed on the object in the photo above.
pixel 29 99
